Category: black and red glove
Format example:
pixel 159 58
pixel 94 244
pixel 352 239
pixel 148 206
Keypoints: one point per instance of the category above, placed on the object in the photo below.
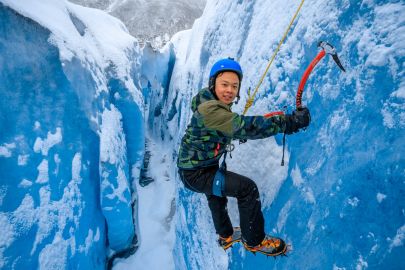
pixel 299 119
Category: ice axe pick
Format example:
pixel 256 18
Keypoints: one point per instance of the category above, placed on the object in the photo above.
pixel 326 49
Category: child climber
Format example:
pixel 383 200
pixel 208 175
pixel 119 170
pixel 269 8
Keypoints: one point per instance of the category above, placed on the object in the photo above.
pixel 212 128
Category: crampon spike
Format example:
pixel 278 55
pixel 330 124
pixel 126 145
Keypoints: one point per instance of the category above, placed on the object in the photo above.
pixel 288 249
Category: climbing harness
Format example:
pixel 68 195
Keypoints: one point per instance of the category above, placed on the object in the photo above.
pixel 218 185
pixel 251 98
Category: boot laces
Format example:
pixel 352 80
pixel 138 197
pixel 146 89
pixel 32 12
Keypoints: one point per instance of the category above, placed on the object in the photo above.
pixel 271 242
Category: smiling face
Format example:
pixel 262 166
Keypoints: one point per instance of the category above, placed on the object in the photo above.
pixel 227 86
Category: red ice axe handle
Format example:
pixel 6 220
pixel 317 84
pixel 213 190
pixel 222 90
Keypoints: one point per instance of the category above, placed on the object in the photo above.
pixel 304 78
pixel 326 49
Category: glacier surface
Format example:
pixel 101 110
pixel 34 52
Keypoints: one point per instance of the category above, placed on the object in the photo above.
pixel 80 100
pixel 339 199
pixel 72 135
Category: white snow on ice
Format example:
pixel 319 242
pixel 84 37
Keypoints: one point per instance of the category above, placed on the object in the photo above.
pixel 381 197
pixel 156 210
pixel 5 149
pixel 43 145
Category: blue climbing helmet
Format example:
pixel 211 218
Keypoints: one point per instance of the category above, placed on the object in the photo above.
pixel 226 64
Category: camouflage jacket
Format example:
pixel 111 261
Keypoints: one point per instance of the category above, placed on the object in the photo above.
pixel 213 126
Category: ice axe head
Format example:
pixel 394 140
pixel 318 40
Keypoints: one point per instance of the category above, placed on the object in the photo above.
pixel 329 49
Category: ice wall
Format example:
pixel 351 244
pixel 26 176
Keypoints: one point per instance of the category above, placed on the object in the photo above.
pixel 71 135
pixel 338 201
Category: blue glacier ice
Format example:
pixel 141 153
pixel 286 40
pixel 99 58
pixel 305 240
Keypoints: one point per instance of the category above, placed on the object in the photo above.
pixel 339 201
pixel 80 99
pixel 71 140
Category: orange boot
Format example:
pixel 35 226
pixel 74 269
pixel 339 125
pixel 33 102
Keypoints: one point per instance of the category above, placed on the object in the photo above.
pixel 270 246
pixel 227 242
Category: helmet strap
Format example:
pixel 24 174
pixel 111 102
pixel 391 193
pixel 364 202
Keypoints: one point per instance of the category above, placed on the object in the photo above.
pixel 211 86
pixel 237 98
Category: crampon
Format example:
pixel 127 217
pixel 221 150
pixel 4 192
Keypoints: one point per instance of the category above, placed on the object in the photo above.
pixel 270 246
pixel 227 242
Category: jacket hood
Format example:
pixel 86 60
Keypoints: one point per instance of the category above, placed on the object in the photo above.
pixel 202 96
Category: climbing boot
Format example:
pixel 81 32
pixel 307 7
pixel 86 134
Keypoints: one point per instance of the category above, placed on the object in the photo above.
pixel 270 246
pixel 227 242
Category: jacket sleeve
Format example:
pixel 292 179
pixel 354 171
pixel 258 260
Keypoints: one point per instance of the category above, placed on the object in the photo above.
pixel 219 117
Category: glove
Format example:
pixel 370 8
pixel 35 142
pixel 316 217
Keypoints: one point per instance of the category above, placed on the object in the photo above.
pixel 300 118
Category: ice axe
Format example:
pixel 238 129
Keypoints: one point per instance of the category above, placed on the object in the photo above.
pixel 326 49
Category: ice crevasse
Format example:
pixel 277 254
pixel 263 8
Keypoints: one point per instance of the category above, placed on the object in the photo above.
pixel 71 135
pixel 78 96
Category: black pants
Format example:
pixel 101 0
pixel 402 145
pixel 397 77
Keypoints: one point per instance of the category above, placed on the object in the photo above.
pixel 238 186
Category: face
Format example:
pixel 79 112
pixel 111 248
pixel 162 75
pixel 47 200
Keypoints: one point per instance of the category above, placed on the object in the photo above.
pixel 226 86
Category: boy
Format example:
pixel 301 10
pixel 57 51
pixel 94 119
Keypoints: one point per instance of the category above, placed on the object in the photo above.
pixel 212 128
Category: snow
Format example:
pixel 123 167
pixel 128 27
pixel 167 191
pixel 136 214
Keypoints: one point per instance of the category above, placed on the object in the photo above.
pixel 54 255
pixel 43 176
pixel 115 187
pixel 5 149
pixel 297 177
pixel 22 160
pixel 354 202
pixel 344 169
pixel 361 263
pixel 100 45
pixel 381 197
pixel 91 237
pixel 67 59
pixel 398 240
pixel 400 93
pixel 156 211
pixel 352 114
pixel 112 138
pixel 148 20
pixel 51 140
pixel 25 183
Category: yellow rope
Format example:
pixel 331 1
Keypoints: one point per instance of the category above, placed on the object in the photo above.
pixel 251 98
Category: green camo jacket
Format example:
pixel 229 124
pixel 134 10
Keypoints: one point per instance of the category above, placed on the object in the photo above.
pixel 213 126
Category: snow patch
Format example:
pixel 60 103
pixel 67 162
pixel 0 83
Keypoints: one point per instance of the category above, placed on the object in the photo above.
pixel 112 137
pixel 54 255
pixel 398 240
pixel 55 215
pixel 57 160
pixel 51 140
pixel 25 183
pixel 381 197
pixel 354 202
pixel 3 193
pixel 400 93
pixel 283 215
pixel 37 125
pixel 22 160
pixel 90 239
pixel 335 267
pixel 7 236
pixel 5 149
pixel 296 176
pixel 43 176
pixel 156 220
pixel 298 181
